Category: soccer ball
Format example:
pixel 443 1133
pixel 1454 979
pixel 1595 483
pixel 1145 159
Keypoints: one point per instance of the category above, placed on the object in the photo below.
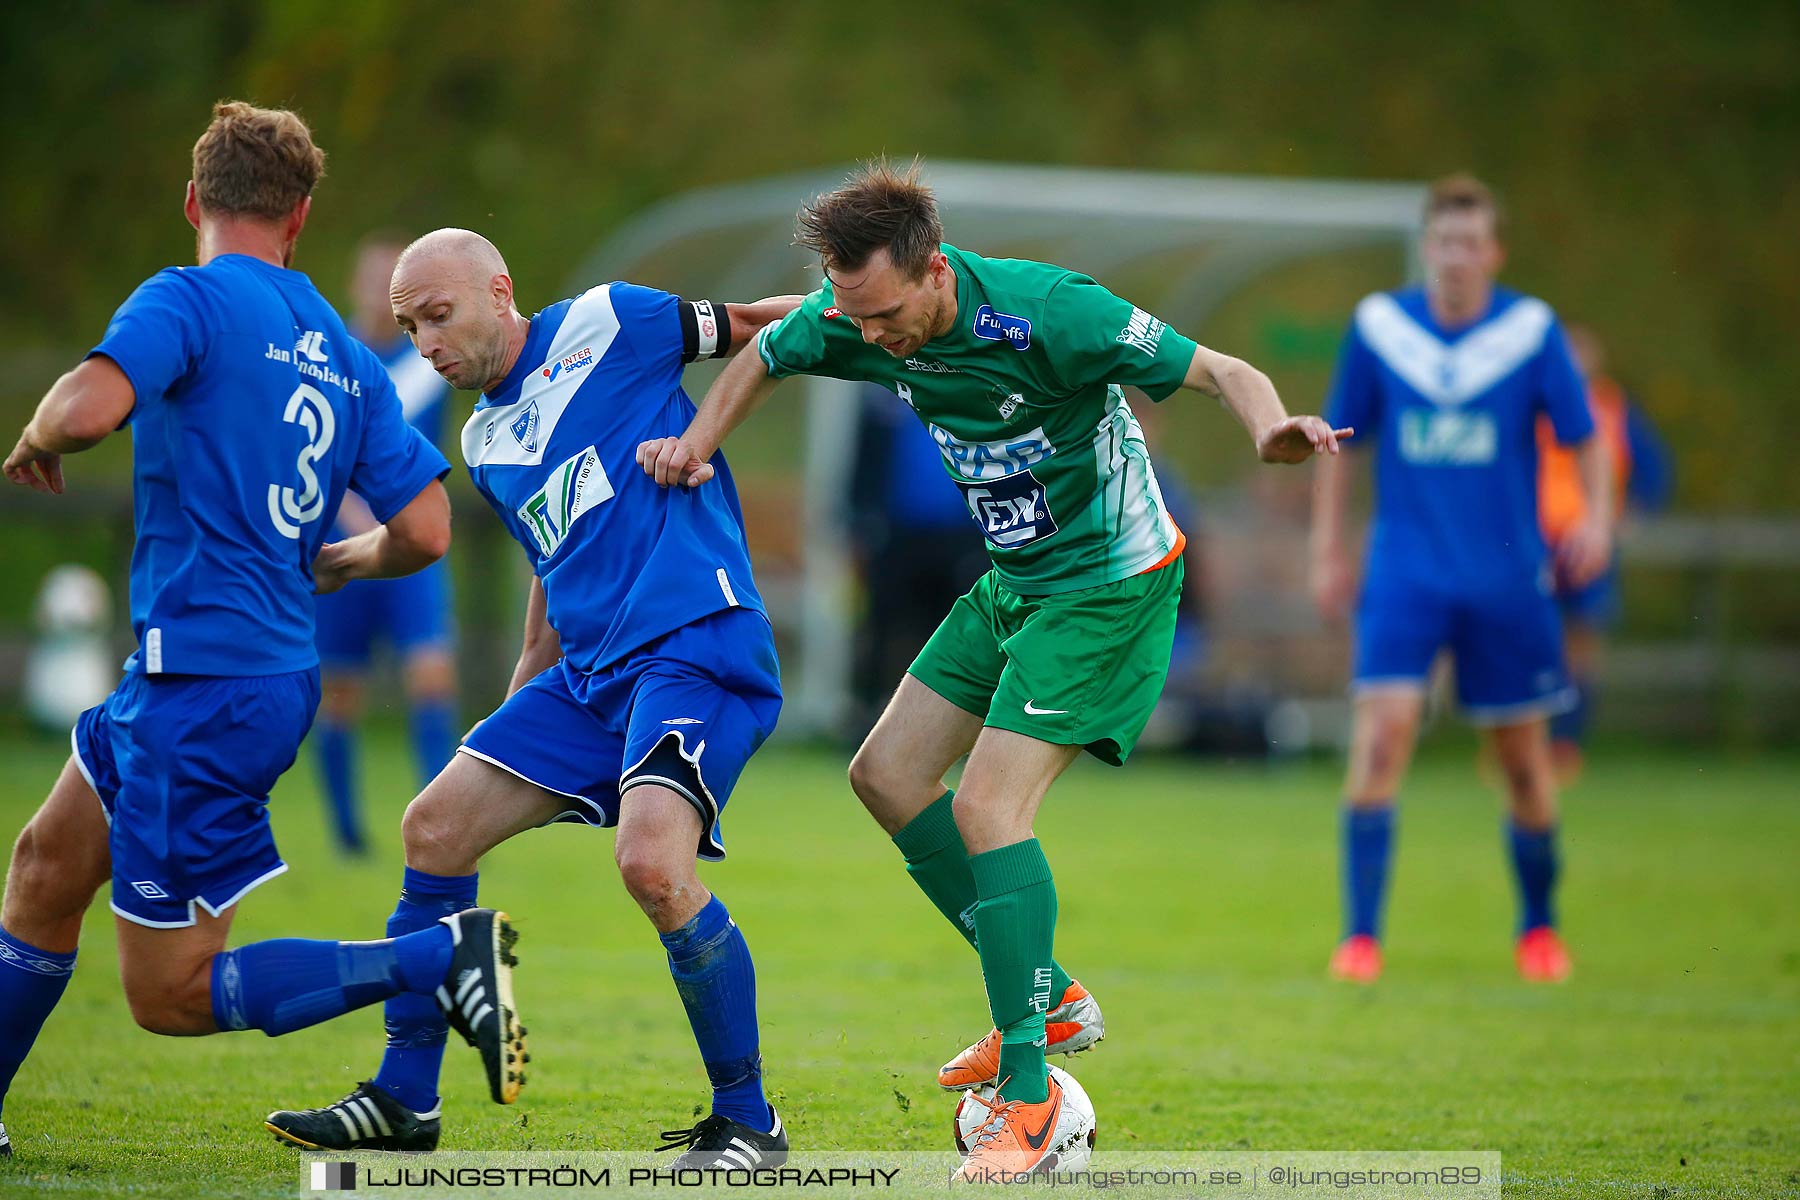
pixel 1072 1142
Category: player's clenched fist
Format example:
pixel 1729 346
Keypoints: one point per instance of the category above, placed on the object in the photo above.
pixel 670 460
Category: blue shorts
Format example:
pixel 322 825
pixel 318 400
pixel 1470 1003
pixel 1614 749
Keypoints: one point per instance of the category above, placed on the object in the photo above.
pixel 1596 605
pixel 183 765
pixel 410 613
pixel 685 711
pixel 1507 643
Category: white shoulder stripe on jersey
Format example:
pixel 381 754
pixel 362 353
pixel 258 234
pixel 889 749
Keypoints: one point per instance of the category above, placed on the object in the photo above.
pixel 516 434
pixel 1452 374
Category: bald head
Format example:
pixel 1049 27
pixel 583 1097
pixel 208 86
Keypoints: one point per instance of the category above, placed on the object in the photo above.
pixel 452 293
pixel 461 253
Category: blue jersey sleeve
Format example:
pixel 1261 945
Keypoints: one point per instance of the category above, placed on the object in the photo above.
pixel 648 317
pixel 664 328
pixel 157 335
pixel 1562 392
pixel 1355 396
pixel 395 462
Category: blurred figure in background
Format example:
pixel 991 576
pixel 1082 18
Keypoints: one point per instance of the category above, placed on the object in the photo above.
pixel 71 666
pixel 1448 381
pixel 411 615
pixel 1643 478
pixel 914 544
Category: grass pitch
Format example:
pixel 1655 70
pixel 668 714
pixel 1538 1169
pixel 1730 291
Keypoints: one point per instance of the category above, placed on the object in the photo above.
pixel 1198 902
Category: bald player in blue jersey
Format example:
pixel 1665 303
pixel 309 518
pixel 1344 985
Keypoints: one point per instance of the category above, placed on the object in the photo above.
pixel 1448 381
pixel 251 410
pixel 647 677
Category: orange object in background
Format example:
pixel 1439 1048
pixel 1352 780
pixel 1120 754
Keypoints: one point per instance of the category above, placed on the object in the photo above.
pixel 1562 504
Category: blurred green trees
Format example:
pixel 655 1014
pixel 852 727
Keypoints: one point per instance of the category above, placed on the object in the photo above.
pixel 1648 153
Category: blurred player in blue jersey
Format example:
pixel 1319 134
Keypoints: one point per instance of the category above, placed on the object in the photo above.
pixel 252 409
pixel 1643 477
pixel 1448 380
pixel 410 614
pixel 647 676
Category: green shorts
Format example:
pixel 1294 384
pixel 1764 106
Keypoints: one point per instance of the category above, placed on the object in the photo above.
pixel 1077 669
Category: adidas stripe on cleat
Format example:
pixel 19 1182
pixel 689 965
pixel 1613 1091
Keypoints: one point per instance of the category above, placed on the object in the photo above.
pixel 366 1119
pixel 722 1143
pixel 1074 1025
pixel 477 997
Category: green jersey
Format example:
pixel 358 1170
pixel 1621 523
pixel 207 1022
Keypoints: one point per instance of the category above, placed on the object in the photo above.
pixel 1023 397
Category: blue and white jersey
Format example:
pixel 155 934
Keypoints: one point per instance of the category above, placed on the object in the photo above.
pixel 424 395
pixel 254 410
pixel 1453 415
pixel 554 451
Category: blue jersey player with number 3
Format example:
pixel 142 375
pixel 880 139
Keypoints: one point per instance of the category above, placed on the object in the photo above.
pixel 252 409
pixel 647 678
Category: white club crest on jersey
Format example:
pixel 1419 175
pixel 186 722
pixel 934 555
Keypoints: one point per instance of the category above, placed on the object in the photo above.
pixel 498 436
pixel 1450 374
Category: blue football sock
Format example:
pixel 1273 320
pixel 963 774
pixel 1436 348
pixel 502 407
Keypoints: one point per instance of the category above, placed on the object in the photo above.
pixel 433 729
pixel 1534 867
pixel 713 973
pixel 286 984
pixel 1368 838
pixel 415 1024
pixel 31 982
pixel 336 748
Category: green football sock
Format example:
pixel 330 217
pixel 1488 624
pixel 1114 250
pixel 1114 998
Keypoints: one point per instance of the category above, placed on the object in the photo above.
pixel 1015 925
pixel 939 864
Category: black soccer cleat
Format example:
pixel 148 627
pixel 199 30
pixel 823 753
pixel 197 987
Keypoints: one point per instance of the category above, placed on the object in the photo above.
pixel 727 1145
pixel 366 1119
pixel 5 1143
pixel 477 997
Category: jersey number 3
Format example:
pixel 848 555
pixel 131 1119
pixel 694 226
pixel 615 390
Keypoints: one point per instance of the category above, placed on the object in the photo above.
pixel 289 508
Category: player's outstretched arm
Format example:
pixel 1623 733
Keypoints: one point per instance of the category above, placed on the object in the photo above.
pixel 413 538
pixel 734 395
pixel 747 320
pixel 78 411
pixel 1251 397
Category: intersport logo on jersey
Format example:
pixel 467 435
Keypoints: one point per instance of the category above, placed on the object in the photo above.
pixel 583 357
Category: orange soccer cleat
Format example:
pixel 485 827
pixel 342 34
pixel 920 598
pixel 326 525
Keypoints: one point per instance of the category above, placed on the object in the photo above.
pixel 1074 1025
pixel 1357 959
pixel 1542 957
pixel 1017 1139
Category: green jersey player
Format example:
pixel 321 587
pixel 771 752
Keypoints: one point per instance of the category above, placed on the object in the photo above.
pixel 1016 368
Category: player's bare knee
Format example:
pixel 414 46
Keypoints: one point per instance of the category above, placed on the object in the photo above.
pixel 433 838
pixel 644 872
pixel 866 776
pixel 660 883
pixel 886 788
pixel 1388 748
